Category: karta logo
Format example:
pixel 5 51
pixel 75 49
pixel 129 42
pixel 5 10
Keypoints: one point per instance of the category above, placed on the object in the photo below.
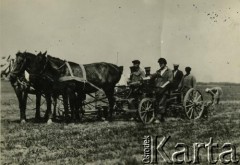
pixel 155 152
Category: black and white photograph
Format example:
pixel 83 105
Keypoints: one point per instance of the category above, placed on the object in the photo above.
pixel 120 82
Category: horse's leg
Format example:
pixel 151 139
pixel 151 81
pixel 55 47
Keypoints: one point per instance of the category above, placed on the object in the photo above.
pixel 38 100
pixel 49 110
pixel 78 103
pixel 19 93
pixel 25 95
pixel 65 105
pixel 54 106
pixel 109 94
pixel 72 103
pixel 54 98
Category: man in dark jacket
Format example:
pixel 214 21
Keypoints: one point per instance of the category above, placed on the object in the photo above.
pixel 177 76
pixel 163 79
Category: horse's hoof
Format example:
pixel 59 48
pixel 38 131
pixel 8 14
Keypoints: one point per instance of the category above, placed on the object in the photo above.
pixel 54 117
pixel 106 122
pixel 110 119
pixel 49 121
pixel 23 122
pixel 38 119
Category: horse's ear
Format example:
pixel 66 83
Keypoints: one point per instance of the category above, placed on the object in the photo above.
pixel 45 53
pixel 18 53
pixel 40 53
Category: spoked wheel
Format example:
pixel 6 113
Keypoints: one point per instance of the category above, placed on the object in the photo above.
pixel 193 104
pixel 146 110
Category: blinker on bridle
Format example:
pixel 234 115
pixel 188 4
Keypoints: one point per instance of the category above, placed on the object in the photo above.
pixel 21 68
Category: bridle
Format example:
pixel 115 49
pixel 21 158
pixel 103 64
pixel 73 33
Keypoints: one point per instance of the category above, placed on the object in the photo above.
pixel 44 67
pixel 46 63
pixel 16 73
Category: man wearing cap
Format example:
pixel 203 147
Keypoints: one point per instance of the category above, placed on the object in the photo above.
pixel 177 76
pixel 188 81
pixel 162 78
pixel 137 73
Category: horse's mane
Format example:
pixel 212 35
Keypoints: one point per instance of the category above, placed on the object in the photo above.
pixel 55 58
pixel 25 53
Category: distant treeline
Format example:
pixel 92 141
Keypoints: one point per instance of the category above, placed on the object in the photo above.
pixel 218 83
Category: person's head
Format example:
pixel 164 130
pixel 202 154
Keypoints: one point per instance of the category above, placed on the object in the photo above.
pixel 175 66
pixel 147 70
pixel 207 90
pixel 162 62
pixel 188 69
pixel 136 63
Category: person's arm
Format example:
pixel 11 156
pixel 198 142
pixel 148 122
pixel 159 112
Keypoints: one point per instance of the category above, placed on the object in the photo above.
pixel 180 86
pixel 169 79
pixel 143 74
pixel 181 75
pixel 211 92
pixel 130 78
pixel 153 76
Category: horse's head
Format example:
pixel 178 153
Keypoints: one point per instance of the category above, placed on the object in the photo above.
pixel 46 65
pixel 25 62
pixel 41 62
pixel 18 67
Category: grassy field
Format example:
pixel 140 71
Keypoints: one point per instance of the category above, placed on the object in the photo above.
pixel 119 142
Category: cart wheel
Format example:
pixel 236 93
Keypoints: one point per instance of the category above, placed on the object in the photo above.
pixel 193 104
pixel 146 110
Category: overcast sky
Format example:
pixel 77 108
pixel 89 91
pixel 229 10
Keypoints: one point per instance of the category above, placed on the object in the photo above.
pixel 203 34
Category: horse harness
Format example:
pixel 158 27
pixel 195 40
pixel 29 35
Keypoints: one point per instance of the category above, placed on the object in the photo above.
pixel 72 77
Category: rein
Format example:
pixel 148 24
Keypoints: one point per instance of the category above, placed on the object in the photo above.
pixel 58 67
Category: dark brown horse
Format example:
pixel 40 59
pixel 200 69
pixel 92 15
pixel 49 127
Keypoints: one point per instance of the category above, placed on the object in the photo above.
pixel 26 62
pixel 45 74
pixel 86 78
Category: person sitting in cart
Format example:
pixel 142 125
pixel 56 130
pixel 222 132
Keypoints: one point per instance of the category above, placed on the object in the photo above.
pixel 216 93
pixel 137 74
pixel 188 81
pixel 162 80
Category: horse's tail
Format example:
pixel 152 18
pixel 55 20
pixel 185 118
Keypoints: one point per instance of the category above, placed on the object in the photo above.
pixel 120 69
pixel 119 72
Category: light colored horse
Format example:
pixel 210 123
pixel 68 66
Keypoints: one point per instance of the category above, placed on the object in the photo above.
pixel 6 66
